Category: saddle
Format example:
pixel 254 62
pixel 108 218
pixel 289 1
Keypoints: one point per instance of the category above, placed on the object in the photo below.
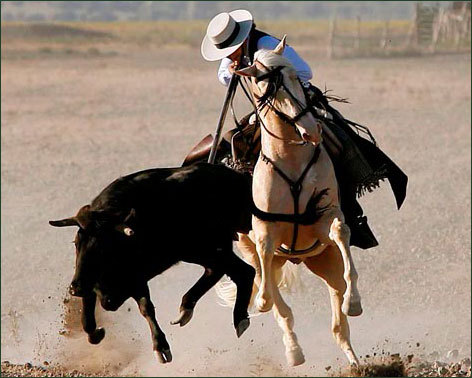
pixel 359 164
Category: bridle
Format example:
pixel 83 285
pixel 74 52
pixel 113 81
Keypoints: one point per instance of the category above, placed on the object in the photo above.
pixel 266 101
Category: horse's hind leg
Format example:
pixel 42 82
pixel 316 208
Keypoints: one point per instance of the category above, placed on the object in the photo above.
pixel 339 232
pixel 330 268
pixel 284 316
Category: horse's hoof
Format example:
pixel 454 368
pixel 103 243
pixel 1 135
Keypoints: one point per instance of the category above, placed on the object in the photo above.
pixel 295 357
pixel 164 356
pixel 242 326
pixel 263 305
pixel 96 336
pixel 184 318
pixel 351 309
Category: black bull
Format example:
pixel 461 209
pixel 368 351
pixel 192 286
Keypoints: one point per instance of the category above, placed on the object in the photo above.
pixel 143 223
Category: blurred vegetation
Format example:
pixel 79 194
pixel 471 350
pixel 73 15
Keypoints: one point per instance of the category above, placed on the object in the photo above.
pixel 163 33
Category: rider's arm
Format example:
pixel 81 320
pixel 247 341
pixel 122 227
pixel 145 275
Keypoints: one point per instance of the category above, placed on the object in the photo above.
pixel 269 43
pixel 304 72
pixel 224 76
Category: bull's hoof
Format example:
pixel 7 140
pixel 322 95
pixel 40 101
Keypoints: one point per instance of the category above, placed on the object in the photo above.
pixel 184 318
pixel 352 308
pixel 164 356
pixel 242 326
pixel 263 304
pixel 295 357
pixel 96 336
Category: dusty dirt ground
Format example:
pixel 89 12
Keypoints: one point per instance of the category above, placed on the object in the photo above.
pixel 73 121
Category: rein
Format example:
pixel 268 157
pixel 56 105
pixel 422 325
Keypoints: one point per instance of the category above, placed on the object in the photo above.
pixel 267 101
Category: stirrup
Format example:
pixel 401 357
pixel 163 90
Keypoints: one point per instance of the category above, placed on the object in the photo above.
pixel 239 165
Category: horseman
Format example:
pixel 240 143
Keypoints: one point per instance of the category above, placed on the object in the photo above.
pixel 359 164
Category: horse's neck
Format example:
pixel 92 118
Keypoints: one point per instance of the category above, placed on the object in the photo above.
pixel 284 154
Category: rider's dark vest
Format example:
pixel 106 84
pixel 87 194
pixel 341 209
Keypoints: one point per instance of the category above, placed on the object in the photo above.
pixel 253 39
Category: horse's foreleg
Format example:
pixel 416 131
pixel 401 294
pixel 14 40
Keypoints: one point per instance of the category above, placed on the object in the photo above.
pixel 330 268
pixel 265 249
pixel 249 254
pixel 284 317
pixel 339 233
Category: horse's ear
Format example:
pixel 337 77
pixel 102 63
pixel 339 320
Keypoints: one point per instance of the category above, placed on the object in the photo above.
pixel 248 71
pixel 281 46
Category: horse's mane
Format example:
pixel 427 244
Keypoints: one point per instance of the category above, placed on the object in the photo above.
pixel 270 59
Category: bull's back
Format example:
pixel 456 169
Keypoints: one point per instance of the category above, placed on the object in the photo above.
pixel 182 201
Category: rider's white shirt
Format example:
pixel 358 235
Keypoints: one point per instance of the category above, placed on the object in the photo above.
pixel 268 42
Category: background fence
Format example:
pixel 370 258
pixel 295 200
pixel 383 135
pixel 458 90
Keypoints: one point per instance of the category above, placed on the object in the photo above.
pixel 432 29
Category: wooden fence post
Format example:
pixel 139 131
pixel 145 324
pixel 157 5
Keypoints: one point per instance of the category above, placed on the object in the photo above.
pixel 357 41
pixel 332 27
pixel 384 43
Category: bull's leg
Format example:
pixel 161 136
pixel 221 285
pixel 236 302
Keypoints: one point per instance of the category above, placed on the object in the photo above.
pixel 329 267
pixel 159 342
pixel 284 316
pixel 209 278
pixel 242 275
pixel 95 335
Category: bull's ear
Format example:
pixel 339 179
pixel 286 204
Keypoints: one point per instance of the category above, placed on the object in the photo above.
pixel 85 217
pixel 281 46
pixel 131 216
pixel 65 222
pixel 250 71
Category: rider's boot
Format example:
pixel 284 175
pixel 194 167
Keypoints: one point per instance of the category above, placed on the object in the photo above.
pixel 361 234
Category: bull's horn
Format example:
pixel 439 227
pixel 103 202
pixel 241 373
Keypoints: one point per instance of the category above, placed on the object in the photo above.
pixel 65 222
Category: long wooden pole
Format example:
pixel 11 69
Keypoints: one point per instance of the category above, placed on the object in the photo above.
pixel 229 95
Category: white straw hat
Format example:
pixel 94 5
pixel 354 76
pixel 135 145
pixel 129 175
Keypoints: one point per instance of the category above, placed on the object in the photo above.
pixel 226 32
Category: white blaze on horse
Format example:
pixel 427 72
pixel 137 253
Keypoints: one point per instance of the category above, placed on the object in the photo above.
pixel 296 193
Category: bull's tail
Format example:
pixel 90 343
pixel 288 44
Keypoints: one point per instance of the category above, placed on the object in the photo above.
pixel 289 281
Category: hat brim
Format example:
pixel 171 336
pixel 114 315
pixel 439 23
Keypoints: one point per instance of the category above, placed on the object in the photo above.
pixel 211 53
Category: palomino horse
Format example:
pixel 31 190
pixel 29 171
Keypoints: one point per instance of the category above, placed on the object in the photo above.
pixel 296 194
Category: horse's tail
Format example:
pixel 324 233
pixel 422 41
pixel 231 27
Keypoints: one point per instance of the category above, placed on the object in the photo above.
pixel 288 281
